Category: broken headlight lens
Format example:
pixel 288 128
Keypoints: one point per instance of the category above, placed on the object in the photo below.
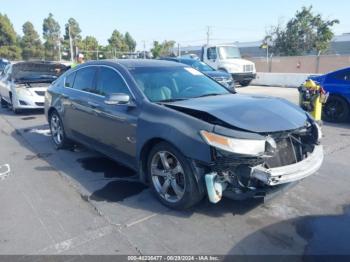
pixel 249 147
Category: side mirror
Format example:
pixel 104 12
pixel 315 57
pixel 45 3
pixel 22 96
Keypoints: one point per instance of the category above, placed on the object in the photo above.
pixel 117 99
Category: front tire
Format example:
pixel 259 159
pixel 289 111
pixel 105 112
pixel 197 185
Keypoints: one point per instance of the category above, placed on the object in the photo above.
pixel 336 110
pixel 171 177
pixel 57 131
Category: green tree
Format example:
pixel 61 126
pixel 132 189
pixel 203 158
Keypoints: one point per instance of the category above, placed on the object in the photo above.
pixel 130 42
pixel 73 28
pixel 30 43
pixel 89 46
pixel 8 39
pixel 51 34
pixel 162 49
pixel 117 43
pixel 305 33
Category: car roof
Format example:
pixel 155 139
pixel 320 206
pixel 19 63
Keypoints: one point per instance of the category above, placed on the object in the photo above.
pixel 132 63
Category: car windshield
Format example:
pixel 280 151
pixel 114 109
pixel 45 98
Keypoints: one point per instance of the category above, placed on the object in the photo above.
pixel 229 52
pixel 167 84
pixel 203 67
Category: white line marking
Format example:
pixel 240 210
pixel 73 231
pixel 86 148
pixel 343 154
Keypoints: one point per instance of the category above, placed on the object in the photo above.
pixel 140 220
pixel 4 171
pixel 77 241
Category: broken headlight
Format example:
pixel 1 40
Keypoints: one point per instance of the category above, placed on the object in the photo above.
pixel 250 147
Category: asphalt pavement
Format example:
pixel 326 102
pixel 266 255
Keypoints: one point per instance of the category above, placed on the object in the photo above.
pixel 79 202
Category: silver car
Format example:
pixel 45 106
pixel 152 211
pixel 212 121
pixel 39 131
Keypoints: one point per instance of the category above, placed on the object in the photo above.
pixel 23 85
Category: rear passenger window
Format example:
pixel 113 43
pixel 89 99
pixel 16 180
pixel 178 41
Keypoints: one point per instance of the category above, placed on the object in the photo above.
pixel 110 82
pixel 70 80
pixel 84 79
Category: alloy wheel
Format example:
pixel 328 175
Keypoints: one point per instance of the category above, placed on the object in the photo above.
pixel 168 176
pixel 56 129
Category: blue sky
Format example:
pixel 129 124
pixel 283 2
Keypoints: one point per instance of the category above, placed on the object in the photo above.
pixel 184 21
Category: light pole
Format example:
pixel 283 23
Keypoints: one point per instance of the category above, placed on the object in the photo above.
pixel 208 35
pixel 144 49
pixel 70 45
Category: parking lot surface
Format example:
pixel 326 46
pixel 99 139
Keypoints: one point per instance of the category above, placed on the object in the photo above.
pixel 79 202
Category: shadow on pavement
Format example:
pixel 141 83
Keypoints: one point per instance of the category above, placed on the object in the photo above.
pixel 324 235
pixel 106 180
pixel 24 113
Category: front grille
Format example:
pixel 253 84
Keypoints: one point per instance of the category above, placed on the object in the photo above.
pixel 226 161
pixel 248 68
pixel 40 93
pixel 39 104
pixel 287 153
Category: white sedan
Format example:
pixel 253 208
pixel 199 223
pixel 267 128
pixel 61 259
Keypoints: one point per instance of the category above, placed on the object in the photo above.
pixel 23 85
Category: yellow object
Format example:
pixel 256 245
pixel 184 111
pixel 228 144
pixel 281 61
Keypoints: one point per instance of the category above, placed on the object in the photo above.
pixel 317 112
pixel 312 102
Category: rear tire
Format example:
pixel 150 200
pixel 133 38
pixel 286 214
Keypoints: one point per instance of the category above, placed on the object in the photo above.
pixel 336 110
pixel 58 135
pixel 173 182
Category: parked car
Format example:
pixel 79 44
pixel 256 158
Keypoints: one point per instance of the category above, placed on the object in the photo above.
pixel 185 134
pixel 24 84
pixel 337 83
pixel 3 63
pixel 219 76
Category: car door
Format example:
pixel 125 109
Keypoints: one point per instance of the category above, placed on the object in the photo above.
pixel 80 111
pixel 117 123
pixel 338 83
pixel 212 57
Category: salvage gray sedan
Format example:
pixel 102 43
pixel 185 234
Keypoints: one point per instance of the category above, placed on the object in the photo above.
pixel 185 134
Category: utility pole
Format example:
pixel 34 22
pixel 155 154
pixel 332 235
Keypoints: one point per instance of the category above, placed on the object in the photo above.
pixel 59 50
pixel 178 50
pixel 70 45
pixel 208 35
pixel 144 49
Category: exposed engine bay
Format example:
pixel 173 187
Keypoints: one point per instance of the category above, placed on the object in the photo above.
pixel 239 177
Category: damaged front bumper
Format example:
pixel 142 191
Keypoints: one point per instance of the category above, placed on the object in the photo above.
pixel 274 179
pixel 290 173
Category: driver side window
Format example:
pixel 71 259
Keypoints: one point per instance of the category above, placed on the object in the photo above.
pixel 110 82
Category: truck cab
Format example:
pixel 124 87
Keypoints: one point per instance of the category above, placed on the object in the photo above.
pixel 228 58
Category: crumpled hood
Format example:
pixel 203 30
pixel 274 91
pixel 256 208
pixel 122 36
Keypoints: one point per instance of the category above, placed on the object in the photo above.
pixel 258 114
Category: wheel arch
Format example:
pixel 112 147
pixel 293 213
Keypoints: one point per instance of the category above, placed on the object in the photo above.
pixel 341 96
pixel 144 152
pixel 50 111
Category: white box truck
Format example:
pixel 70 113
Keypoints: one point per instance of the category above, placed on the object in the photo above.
pixel 225 57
